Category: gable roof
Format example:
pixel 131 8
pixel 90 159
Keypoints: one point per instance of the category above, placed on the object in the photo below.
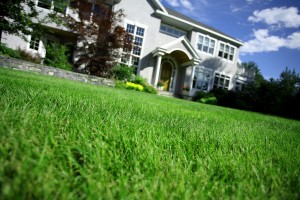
pixel 172 46
pixel 185 42
pixel 174 15
pixel 181 16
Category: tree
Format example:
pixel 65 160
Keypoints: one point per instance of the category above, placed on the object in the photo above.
pixel 20 17
pixel 258 77
pixel 100 39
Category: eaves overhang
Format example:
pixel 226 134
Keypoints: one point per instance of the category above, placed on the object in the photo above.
pixel 158 4
pixel 197 26
pixel 169 48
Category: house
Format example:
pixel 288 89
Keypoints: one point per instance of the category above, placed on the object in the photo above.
pixel 186 55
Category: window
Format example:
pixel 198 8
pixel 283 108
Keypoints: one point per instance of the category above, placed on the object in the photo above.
pixel 137 38
pixel 201 79
pixel 238 86
pixel 45 4
pixel 221 81
pixel 34 43
pixel 171 30
pixel 226 51
pixel 206 44
pixel 56 5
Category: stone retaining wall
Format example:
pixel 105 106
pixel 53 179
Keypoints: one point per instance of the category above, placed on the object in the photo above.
pixel 12 63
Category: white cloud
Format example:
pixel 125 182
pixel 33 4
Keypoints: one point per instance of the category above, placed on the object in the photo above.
pixel 250 1
pixel 184 3
pixel 173 3
pixel 187 4
pixel 293 41
pixel 282 17
pixel 264 42
pixel 234 8
pixel 258 1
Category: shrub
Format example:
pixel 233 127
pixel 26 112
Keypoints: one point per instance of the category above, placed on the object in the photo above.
pixel 200 94
pixel 133 86
pixel 209 100
pixel 140 80
pixel 123 72
pixel 147 87
pixel 6 51
pixel 28 56
pixel 225 97
pixel 120 84
pixel 57 56
pixel 150 89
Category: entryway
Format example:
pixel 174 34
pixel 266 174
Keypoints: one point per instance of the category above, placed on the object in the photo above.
pixel 166 75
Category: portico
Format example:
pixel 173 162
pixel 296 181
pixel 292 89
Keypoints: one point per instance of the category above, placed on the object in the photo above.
pixel 174 66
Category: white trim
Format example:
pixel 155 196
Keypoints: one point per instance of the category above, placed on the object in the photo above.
pixel 210 38
pixel 209 86
pixel 184 40
pixel 145 27
pixel 160 6
pixel 224 74
pixel 231 46
pixel 199 27
pixel 173 28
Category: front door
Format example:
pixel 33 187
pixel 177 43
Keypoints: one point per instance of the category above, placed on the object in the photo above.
pixel 165 75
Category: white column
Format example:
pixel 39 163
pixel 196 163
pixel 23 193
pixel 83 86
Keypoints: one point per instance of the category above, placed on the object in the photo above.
pixel 157 71
pixel 191 80
pixel 193 66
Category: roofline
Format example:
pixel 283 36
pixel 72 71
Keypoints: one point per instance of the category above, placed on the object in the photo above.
pixel 163 49
pixel 199 27
pixel 159 5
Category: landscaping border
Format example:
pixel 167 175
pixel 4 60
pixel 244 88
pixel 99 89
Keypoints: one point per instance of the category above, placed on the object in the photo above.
pixel 17 64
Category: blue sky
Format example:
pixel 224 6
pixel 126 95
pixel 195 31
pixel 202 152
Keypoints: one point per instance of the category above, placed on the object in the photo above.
pixel 270 29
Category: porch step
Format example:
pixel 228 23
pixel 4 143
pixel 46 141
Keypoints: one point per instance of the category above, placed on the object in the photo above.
pixel 166 94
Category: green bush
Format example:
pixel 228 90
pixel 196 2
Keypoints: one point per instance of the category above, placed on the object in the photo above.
pixel 123 72
pixel 120 85
pixel 19 54
pixel 150 89
pixel 28 56
pixel 147 87
pixel 200 94
pixel 57 56
pixel 209 100
pixel 140 80
pixel 6 51
pixel 133 86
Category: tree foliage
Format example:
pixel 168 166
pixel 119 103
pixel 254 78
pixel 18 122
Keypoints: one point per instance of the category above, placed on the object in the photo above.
pixel 275 96
pixel 57 56
pixel 20 17
pixel 14 19
pixel 99 36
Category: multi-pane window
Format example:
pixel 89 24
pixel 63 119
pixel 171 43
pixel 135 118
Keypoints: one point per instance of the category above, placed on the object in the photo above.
pixel 238 86
pixel 137 38
pixel 56 5
pixel 45 4
pixel 226 51
pixel 206 44
pixel 130 28
pixel 221 81
pixel 201 79
pixel 171 31
pixel 34 43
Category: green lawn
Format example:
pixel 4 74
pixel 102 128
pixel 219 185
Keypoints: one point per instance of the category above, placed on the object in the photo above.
pixel 66 140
